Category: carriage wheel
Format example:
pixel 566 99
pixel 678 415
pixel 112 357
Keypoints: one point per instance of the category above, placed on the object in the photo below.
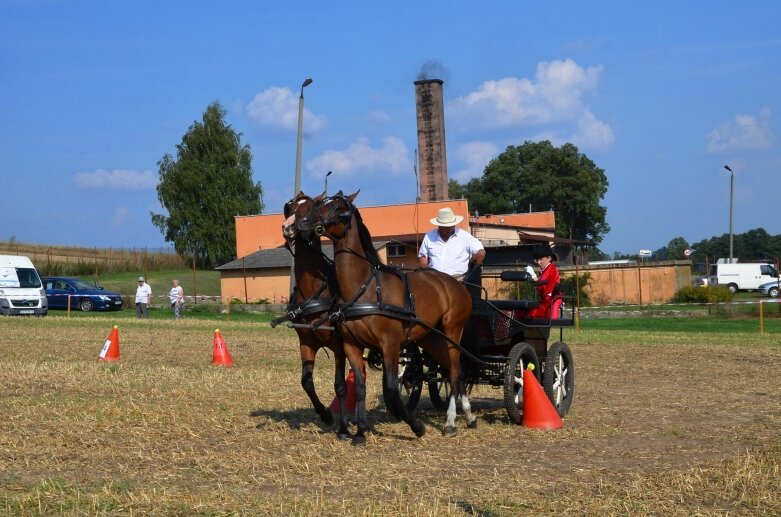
pixel 411 378
pixel 439 389
pixel 558 377
pixel 520 356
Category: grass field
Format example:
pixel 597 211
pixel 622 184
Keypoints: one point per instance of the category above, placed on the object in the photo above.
pixel 664 422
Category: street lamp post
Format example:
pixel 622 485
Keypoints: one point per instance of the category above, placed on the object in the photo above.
pixel 731 182
pixel 297 186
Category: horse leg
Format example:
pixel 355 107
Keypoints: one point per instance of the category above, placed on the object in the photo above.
pixel 393 397
pixel 340 388
pixel 307 382
pixel 355 357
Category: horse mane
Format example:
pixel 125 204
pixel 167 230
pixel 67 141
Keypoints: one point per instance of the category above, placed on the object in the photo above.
pixel 366 241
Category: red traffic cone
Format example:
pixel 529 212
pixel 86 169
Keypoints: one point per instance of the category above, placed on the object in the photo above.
pixel 538 412
pixel 350 397
pixel 221 356
pixel 110 350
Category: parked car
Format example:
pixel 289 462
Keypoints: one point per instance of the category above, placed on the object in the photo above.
pixel 770 289
pixel 83 295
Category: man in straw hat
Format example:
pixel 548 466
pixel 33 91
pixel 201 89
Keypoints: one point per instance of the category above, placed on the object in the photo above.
pixel 448 248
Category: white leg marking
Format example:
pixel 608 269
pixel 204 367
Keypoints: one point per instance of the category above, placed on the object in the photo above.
pixel 451 412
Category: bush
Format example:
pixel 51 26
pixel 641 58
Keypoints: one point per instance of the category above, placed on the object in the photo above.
pixel 694 294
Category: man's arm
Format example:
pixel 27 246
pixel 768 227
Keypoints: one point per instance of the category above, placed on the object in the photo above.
pixel 422 261
pixel 478 258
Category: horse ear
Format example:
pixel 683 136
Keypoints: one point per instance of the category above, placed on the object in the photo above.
pixel 353 195
pixel 319 197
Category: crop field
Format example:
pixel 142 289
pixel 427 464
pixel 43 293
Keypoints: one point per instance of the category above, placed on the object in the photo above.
pixel 663 423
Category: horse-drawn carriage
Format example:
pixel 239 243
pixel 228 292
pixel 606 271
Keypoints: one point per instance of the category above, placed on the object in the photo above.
pixel 423 326
pixel 498 344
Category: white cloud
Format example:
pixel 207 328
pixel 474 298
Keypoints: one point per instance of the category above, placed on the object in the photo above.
pixel 592 133
pixel 118 179
pixel 476 155
pixel 120 216
pixel 555 96
pixel 745 133
pixel 277 108
pixel 361 157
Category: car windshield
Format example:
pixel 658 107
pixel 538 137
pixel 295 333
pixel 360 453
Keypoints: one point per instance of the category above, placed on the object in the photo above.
pixel 28 278
pixel 81 285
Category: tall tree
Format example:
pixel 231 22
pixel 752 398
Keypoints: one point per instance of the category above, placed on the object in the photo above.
pixel 208 183
pixel 538 176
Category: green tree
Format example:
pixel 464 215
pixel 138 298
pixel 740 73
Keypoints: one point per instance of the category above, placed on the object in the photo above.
pixel 208 183
pixel 675 249
pixel 539 176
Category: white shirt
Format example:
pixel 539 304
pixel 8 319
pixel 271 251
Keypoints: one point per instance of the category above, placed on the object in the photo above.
pixel 176 294
pixel 144 293
pixel 451 256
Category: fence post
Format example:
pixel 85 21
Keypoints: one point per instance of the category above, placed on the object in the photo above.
pixel 639 282
pixel 761 318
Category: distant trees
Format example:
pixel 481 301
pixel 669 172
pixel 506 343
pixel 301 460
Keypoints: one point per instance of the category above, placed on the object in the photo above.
pixel 208 183
pixel 538 176
pixel 753 245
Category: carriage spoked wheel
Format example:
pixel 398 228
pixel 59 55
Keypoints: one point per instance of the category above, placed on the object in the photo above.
pixel 521 355
pixel 558 377
pixel 439 388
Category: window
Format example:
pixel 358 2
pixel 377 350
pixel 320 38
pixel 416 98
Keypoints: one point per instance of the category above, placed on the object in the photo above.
pixel 396 251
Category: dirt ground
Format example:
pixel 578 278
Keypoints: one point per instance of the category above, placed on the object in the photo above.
pixel 660 424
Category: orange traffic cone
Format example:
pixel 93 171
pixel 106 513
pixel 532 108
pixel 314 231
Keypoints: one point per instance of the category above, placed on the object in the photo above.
pixel 221 356
pixel 110 350
pixel 350 398
pixel 538 412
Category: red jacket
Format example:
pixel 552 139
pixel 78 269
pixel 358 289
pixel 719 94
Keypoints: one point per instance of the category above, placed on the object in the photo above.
pixel 549 279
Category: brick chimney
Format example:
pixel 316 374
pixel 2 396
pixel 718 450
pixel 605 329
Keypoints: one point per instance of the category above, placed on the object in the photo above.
pixel 431 140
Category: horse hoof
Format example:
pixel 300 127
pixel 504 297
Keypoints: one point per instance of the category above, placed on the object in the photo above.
pixel 343 435
pixel 358 441
pixel 419 428
pixel 472 424
pixel 449 431
pixel 327 417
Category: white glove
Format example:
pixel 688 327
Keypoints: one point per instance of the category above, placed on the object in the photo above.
pixel 532 274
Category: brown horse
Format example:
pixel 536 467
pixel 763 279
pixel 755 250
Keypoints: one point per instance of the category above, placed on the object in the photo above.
pixel 313 296
pixel 384 308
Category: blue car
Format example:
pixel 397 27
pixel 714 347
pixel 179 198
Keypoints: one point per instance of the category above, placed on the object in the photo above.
pixel 82 295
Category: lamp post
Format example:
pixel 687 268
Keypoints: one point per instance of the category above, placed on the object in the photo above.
pixel 297 187
pixel 731 182
pixel 325 190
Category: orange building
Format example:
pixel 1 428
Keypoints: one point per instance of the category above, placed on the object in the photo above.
pixel 262 268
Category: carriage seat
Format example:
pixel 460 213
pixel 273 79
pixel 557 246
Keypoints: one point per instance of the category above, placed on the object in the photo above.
pixel 515 305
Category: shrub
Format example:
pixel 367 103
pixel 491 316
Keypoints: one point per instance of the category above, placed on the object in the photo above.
pixel 695 294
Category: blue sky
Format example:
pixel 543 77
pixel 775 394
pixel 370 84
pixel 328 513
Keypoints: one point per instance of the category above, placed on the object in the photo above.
pixel 660 94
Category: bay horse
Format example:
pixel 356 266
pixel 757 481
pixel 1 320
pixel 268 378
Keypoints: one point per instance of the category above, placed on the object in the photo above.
pixel 384 308
pixel 313 296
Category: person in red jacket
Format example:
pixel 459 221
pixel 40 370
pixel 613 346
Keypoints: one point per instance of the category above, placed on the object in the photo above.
pixel 549 278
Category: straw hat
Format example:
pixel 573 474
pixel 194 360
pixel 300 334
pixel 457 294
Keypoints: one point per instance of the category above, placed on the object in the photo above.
pixel 446 217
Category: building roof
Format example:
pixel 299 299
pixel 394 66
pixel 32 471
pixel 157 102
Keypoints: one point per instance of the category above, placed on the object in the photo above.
pixel 277 258
pixel 384 222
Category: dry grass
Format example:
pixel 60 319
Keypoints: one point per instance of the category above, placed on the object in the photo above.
pixel 661 424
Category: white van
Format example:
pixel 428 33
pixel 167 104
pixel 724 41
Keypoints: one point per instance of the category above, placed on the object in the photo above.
pixel 742 276
pixel 21 290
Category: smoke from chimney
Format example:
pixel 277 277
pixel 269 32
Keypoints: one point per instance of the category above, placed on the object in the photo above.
pixel 432 69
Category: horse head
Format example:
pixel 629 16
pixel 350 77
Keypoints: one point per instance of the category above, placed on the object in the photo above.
pixel 330 216
pixel 294 210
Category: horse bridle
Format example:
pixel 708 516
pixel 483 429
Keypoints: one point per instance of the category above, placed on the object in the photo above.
pixel 345 217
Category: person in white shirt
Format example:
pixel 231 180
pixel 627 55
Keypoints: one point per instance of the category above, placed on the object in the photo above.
pixel 448 248
pixel 143 298
pixel 176 297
